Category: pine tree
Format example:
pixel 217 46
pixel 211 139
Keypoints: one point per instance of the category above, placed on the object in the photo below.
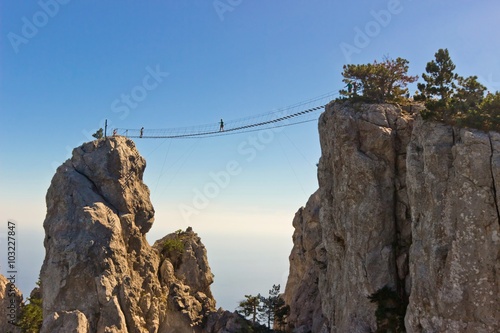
pixel 31 317
pixel 469 94
pixel 250 306
pixel 490 108
pixel 273 309
pixel 379 82
pixel 440 78
pixel 448 96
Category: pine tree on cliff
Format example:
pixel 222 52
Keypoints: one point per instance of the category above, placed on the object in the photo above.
pixel 379 82
pixel 31 318
pixel 250 306
pixel 447 95
pixel 440 79
pixel 273 307
pixel 491 107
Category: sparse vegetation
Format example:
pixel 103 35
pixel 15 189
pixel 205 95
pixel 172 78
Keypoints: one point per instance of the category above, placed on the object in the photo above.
pixel 448 97
pixel 31 317
pixel 174 245
pixel 379 82
pixel 272 310
pixel 99 134
pixel 456 100
pixel 391 310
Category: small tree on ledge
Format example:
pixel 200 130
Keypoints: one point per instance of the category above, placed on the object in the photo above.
pixel 379 82
pixel 250 306
pixel 99 134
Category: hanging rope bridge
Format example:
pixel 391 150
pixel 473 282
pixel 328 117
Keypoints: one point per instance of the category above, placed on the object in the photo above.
pixel 293 115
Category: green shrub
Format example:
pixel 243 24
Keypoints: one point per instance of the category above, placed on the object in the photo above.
pixel 31 317
pixel 174 245
pixel 391 310
pixel 99 134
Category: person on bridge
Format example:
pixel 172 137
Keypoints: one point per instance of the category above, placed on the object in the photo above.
pixel 142 132
pixel 221 128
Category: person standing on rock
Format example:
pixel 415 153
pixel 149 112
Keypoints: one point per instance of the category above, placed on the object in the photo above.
pixel 142 132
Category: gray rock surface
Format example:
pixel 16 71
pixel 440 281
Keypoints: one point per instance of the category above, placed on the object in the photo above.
pixel 411 205
pixel 226 322
pixel 11 301
pixel 307 259
pixel 364 210
pixel 99 273
pixel 453 177
pixel 187 277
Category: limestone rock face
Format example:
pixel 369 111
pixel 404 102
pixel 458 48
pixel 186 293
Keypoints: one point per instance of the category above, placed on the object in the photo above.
pixel 453 178
pixel 184 272
pixel 11 301
pixel 307 259
pixel 99 273
pixel 411 205
pixel 364 213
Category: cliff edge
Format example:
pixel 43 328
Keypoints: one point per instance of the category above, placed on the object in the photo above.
pixel 408 215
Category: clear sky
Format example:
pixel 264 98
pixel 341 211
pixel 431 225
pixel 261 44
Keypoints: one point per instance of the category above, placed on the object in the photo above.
pixel 65 66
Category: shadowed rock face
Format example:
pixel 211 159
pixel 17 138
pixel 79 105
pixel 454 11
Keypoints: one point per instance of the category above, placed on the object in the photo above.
pixel 411 205
pixel 99 273
pixel 307 260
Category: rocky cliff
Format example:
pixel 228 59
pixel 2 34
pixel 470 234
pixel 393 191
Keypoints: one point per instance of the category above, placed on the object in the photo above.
pixel 99 273
pixel 409 216
pixel 453 177
pixel 307 260
pixel 11 301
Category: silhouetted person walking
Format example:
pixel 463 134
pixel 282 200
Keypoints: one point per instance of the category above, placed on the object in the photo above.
pixel 142 132
pixel 221 128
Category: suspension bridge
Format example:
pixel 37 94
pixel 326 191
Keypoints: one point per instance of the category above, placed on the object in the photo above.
pixel 302 112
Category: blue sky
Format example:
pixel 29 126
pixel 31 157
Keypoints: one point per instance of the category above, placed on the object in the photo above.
pixel 66 65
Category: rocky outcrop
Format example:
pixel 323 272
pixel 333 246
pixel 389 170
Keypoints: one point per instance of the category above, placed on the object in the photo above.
pixel 364 210
pixel 307 260
pixel 227 322
pixel 407 205
pixel 453 177
pixel 99 273
pixel 11 301
pixel 184 272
